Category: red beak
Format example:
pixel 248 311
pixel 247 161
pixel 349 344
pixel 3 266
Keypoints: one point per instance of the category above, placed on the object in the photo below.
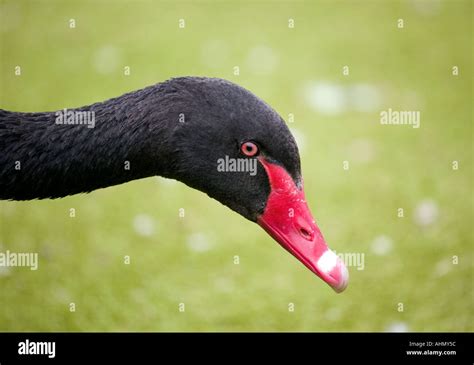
pixel 288 220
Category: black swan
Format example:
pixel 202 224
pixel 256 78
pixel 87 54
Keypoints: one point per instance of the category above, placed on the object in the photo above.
pixel 181 129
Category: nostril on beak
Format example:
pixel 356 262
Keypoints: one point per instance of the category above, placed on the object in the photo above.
pixel 306 234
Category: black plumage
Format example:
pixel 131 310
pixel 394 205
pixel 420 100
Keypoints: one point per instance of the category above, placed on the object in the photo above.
pixel 177 129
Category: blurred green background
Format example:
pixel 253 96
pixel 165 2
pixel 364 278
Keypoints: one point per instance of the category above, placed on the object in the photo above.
pixel 336 118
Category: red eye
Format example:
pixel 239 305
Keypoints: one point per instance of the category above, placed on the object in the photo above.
pixel 249 149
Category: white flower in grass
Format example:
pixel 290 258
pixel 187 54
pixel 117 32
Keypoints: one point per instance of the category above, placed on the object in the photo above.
pixel 326 97
pixel 106 60
pixel 397 327
pixel 214 53
pixel 144 225
pixel 262 60
pixel 198 242
pixel 300 139
pixel 364 97
pixel 442 268
pixel 426 212
pixel 382 245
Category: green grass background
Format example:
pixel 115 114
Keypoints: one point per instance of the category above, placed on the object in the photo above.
pixel 81 258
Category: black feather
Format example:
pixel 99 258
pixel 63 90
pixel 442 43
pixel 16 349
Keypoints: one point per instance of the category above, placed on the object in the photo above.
pixel 144 128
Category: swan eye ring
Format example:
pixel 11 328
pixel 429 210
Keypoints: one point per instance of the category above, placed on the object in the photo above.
pixel 249 149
